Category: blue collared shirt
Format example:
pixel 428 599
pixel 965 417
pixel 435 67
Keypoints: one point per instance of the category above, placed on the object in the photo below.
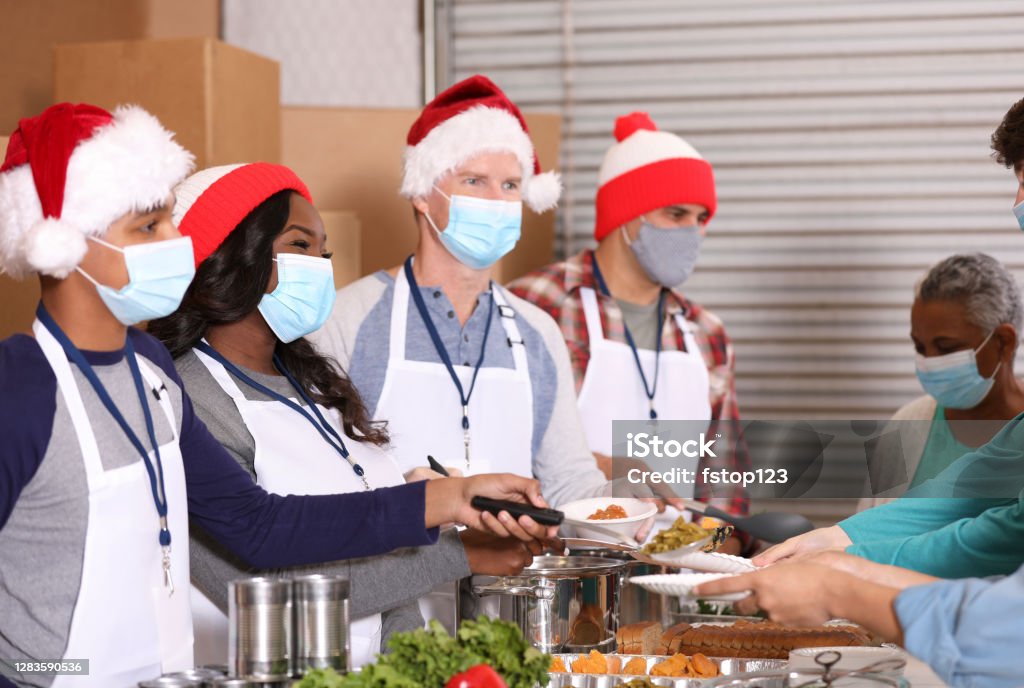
pixel 970 631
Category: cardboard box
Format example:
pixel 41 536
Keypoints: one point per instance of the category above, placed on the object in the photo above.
pixel 18 299
pixel 32 28
pixel 344 238
pixel 352 158
pixel 222 102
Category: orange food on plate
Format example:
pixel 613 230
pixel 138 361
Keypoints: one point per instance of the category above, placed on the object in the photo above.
pixel 612 511
pixel 557 666
pixel 676 666
pixel 702 667
pixel 594 663
pixel 635 667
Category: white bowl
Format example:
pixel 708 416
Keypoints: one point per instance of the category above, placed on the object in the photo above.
pixel 612 530
pixel 852 658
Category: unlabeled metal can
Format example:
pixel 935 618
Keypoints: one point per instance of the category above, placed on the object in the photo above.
pixel 260 629
pixel 321 622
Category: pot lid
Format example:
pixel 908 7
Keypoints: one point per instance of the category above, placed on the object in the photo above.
pixel 557 566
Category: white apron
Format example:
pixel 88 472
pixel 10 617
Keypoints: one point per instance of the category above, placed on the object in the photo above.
pixel 125 622
pixel 293 459
pixel 421 405
pixel 612 388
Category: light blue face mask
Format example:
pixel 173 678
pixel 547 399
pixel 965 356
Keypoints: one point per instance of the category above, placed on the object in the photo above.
pixel 158 276
pixel 953 380
pixel 303 298
pixel 1018 212
pixel 480 230
pixel 667 254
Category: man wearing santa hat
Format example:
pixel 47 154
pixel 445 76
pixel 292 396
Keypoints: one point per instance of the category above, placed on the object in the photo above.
pixel 100 438
pixel 640 349
pixel 460 369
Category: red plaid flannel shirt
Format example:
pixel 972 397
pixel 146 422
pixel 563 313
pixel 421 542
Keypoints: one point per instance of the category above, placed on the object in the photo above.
pixel 556 289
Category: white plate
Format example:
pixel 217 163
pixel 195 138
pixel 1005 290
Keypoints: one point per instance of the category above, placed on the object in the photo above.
pixel 714 562
pixel 682 584
pixel 618 530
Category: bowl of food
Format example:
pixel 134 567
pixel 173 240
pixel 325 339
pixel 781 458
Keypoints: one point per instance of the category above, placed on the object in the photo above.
pixel 611 519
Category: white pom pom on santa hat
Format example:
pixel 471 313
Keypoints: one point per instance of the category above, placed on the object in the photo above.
pixel 54 247
pixel 73 170
pixel 472 117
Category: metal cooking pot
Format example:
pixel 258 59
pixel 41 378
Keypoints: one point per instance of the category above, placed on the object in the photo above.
pixel 562 604
pixel 635 603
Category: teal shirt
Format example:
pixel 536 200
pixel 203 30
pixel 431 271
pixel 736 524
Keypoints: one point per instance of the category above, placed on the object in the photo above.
pixel 967 521
pixel 940 451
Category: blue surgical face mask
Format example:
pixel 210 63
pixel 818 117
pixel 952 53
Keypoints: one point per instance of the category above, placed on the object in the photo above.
pixel 953 380
pixel 1018 212
pixel 303 297
pixel 158 276
pixel 667 255
pixel 480 231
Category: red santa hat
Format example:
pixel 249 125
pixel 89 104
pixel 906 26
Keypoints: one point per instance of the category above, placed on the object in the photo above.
pixel 649 169
pixel 474 116
pixel 72 171
pixel 211 203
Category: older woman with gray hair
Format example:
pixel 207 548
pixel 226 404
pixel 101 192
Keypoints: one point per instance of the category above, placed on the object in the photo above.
pixel 964 324
pixel 963 512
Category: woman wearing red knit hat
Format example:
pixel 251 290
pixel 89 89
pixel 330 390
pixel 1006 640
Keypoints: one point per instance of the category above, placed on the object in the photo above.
pixel 640 349
pixel 283 411
pixel 100 438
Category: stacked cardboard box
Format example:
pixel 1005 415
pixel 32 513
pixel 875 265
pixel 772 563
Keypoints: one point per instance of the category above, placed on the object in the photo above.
pixel 222 102
pixel 34 27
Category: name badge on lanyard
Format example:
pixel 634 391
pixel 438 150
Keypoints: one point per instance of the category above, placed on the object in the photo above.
pixel 155 470
pixel 435 337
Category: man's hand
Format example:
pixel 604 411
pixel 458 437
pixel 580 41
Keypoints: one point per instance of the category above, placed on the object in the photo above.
pixel 793 594
pixel 802 546
pixel 809 594
pixel 883 574
pixel 448 500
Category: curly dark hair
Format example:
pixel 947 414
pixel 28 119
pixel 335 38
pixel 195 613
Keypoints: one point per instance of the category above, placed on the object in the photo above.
pixel 1008 138
pixel 229 285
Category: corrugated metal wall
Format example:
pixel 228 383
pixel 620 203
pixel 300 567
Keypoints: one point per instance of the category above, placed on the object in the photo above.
pixel 850 142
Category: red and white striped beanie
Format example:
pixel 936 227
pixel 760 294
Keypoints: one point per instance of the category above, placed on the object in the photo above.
pixel 649 169
pixel 211 203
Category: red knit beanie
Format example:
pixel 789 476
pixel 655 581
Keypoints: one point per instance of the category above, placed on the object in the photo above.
pixel 211 203
pixel 649 169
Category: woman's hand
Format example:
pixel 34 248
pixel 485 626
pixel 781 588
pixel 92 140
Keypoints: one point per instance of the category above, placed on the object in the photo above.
pixel 802 546
pixel 425 473
pixel 489 555
pixel 448 500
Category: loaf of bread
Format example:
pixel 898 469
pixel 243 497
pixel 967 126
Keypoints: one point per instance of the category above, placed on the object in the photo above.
pixel 639 638
pixel 672 638
pixel 758 640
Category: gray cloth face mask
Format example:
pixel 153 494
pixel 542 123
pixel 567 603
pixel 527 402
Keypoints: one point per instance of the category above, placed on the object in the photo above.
pixel 667 255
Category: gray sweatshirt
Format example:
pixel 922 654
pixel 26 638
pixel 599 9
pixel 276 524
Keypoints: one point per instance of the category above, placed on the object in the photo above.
pixel 388 584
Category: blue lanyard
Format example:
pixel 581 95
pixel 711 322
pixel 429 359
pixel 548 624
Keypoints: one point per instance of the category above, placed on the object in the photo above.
pixel 327 432
pixel 156 473
pixel 649 390
pixel 464 396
